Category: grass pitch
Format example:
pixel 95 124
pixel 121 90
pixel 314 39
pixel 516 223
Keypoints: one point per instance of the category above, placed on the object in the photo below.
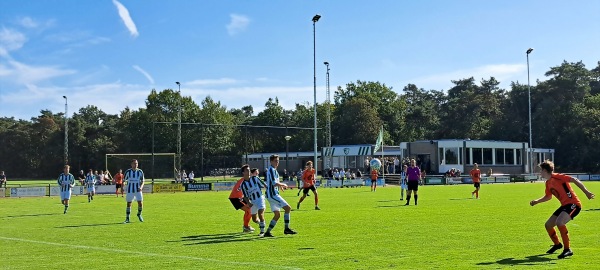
pixel 356 229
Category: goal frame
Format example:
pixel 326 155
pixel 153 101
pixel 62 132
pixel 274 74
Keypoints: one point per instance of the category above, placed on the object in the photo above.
pixel 142 154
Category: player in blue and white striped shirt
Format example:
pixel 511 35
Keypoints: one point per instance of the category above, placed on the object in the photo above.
pixel 253 196
pixel 135 183
pixel 66 181
pixel 275 200
pixel 90 184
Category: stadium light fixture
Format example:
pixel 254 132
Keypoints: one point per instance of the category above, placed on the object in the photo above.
pixel 315 19
pixel 328 102
pixel 529 101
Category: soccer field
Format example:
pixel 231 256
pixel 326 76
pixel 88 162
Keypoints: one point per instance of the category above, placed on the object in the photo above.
pixel 356 229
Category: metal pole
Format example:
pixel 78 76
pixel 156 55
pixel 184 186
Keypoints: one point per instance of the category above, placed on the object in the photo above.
pixel 153 123
pixel 202 151
pixel 180 176
pixel 66 146
pixel 328 102
pixel 246 144
pixel 529 101
pixel 314 20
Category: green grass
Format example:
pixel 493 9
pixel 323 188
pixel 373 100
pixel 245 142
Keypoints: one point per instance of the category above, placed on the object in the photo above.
pixel 357 229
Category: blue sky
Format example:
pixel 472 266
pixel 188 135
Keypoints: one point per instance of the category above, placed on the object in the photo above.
pixel 111 53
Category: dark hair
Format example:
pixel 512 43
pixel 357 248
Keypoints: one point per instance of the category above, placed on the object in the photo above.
pixel 244 167
pixel 547 165
pixel 253 170
pixel 273 157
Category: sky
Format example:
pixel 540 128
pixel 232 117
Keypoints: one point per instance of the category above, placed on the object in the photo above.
pixel 111 53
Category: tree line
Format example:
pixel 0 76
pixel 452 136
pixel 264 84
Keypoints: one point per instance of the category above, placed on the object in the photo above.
pixel 565 115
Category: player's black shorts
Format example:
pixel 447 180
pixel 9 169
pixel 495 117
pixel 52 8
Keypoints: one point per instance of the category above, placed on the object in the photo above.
pixel 413 185
pixel 119 186
pixel 237 203
pixel 571 209
pixel 306 189
pixel 477 185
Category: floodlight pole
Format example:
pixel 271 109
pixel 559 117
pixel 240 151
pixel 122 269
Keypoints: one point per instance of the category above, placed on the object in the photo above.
pixel 328 102
pixel 315 19
pixel 179 134
pixel 529 101
pixel 287 151
pixel 66 146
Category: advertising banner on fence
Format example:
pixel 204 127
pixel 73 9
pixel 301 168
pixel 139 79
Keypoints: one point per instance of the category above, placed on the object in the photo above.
pixel 108 189
pixel 199 187
pixel 168 188
pixel 28 192
pixel 453 180
pixel 55 190
pixel 434 180
pixel 2 192
pixel 502 179
pixel 488 179
pixel 222 186
pixel 595 177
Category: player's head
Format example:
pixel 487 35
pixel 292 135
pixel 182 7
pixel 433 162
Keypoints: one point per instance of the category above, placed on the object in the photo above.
pixel 254 172
pixel 245 170
pixel 413 162
pixel 274 160
pixel 66 168
pixel 91 171
pixel 404 167
pixel 309 164
pixel 475 166
pixel 134 164
pixel 547 169
pixel 120 171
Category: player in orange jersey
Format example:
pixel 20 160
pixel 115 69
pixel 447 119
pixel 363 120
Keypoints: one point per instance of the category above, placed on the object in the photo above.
pixel 237 199
pixel 308 180
pixel 476 176
pixel 119 182
pixel 374 176
pixel 559 186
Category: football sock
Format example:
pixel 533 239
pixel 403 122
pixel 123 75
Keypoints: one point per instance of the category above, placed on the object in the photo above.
pixel 301 199
pixel 553 236
pixel 316 200
pixel 401 193
pixel 286 220
pixel 247 217
pixel 416 198
pixel 407 199
pixel 139 211
pixel 66 207
pixel 564 234
pixel 261 225
pixel 128 212
pixel 476 194
pixel 272 225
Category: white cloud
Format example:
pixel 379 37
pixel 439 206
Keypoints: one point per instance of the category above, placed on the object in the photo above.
pixel 138 68
pixel 237 24
pixel 221 81
pixel 10 40
pixel 23 74
pixel 28 22
pixel 502 72
pixel 124 14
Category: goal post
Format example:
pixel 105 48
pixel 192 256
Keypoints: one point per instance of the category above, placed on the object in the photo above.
pixel 156 166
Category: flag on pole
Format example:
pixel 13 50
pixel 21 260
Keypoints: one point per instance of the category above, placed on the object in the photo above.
pixel 379 141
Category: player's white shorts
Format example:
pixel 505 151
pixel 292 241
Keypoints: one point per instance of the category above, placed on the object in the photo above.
pixel 136 195
pixel 65 195
pixel 277 202
pixel 91 190
pixel 404 186
pixel 257 204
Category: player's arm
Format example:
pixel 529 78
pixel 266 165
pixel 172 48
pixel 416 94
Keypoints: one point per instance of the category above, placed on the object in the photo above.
pixel 142 180
pixel 72 184
pixel 583 188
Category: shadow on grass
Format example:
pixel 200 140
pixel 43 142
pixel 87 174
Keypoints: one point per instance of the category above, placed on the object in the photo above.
pixel 460 199
pixel 216 238
pixel 306 248
pixel 595 209
pixel 390 206
pixel 33 215
pixel 389 201
pixel 529 260
pixel 88 225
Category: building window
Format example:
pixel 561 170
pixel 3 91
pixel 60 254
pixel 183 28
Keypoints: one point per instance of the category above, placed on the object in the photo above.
pixel 499 156
pixel 519 157
pixel 452 155
pixel 468 156
pixel 509 156
pixel 442 160
pixel 477 156
pixel 487 156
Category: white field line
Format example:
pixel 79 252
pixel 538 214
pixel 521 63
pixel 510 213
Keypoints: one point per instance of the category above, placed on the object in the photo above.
pixel 147 254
